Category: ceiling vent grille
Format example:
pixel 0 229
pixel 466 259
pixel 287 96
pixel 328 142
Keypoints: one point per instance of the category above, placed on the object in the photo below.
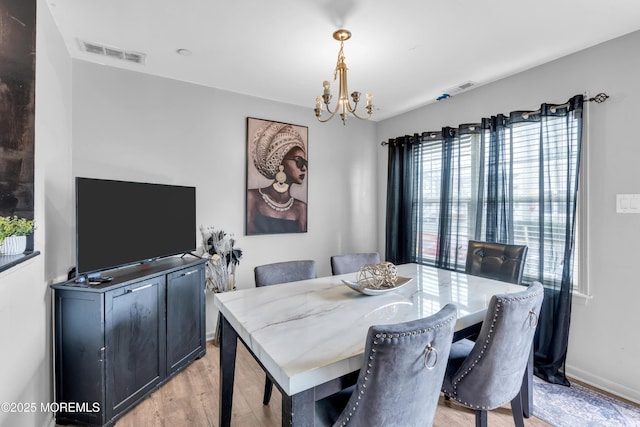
pixel 112 52
pixel 459 88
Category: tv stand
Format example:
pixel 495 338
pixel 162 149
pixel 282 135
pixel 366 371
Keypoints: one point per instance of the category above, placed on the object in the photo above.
pixel 117 342
pixel 189 253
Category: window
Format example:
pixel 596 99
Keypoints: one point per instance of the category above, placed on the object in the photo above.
pixel 529 184
pixel 461 201
pixel 510 179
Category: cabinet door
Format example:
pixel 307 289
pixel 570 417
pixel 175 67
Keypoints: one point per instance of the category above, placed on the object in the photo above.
pixel 135 341
pixel 185 317
pixel 79 354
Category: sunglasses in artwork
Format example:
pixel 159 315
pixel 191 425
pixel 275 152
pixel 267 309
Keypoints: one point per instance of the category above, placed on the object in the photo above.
pixel 300 161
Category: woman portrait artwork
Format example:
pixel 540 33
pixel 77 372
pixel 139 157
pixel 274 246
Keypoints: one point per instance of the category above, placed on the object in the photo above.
pixel 276 177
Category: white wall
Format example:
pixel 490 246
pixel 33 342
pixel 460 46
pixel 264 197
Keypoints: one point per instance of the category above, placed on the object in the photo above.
pixel 25 359
pixel 26 363
pixel 603 349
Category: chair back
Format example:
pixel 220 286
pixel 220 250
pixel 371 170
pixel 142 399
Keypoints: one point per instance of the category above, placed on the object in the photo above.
pixel 350 263
pixel 399 383
pixel 496 261
pixel 282 272
pixel 491 374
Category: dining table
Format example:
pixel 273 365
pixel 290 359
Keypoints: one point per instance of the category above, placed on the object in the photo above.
pixel 309 335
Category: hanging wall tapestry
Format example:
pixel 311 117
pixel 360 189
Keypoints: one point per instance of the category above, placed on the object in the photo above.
pixel 17 106
pixel 276 177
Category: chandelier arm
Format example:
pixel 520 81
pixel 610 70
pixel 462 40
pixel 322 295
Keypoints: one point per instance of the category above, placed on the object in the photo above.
pixel 361 118
pixel 351 109
pixel 334 111
pixel 328 118
pixel 338 106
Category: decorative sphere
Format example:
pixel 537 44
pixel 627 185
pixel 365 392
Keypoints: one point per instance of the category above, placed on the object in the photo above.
pixel 381 275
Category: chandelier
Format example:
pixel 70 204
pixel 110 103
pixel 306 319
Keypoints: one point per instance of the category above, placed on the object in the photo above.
pixel 344 105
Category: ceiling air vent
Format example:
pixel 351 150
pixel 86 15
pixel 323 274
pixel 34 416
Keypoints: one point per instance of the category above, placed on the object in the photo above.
pixel 459 88
pixel 454 90
pixel 112 52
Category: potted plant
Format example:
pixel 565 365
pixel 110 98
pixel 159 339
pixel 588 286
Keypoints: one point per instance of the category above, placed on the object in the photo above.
pixel 13 234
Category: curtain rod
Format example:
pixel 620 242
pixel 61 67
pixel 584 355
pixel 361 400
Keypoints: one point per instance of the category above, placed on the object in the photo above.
pixel 598 99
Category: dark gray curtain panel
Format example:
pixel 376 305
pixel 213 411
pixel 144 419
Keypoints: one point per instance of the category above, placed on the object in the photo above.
pixel 508 179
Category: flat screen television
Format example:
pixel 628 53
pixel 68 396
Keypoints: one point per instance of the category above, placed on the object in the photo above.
pixel 120 223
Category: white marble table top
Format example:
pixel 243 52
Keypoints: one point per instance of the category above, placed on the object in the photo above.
pixel 308 332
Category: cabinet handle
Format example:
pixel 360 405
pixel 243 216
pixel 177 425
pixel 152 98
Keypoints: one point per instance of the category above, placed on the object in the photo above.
pixel 130 291
pixel 188 273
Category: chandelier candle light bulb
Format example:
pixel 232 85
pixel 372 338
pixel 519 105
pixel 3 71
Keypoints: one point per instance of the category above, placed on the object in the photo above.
pixel 343 105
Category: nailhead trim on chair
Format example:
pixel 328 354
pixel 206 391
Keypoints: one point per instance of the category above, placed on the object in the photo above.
pixel 373 351
pixel 500 302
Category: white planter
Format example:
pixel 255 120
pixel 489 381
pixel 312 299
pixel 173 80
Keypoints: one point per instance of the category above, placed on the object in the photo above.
pixel 13 245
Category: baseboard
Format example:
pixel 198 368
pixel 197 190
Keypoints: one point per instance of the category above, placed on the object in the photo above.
pixel 604 384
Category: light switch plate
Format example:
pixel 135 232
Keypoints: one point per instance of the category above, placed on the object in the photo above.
pixel 628 203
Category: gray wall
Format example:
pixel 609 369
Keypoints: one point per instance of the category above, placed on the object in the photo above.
pixel 603 349
pixel 98 121
pixel 131 126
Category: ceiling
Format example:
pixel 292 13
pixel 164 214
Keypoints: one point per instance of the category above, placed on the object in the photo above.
pixel 406 52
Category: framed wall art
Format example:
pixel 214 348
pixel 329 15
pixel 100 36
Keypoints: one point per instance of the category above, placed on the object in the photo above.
pixel 17 106
pixel 277 165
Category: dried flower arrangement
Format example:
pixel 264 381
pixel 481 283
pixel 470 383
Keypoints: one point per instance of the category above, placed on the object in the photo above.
pixel 223 257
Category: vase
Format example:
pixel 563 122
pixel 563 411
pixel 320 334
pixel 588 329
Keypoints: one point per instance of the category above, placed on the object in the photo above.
pixel 13 245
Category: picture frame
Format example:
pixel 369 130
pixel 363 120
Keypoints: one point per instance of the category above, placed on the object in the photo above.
pixel 277 187
pixel 17 107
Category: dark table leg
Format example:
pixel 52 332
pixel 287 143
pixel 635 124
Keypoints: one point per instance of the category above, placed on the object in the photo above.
pixel 299 409
pixel 228 347
pixel 526 390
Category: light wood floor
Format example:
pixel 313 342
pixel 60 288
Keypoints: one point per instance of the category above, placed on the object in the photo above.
pixel 191 399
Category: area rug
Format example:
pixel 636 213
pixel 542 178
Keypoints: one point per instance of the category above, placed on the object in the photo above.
pixel 578 406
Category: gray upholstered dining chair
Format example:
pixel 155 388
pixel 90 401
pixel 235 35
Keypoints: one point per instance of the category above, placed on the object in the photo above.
pixel 399 382
pixel 496 261
pixel 488 373
pixel 282 272
pixel 350 263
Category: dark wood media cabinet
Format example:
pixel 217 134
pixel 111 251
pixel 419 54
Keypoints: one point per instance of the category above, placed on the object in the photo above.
pixel 115 343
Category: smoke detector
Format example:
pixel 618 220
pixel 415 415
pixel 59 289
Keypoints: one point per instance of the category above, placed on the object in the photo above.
pixel 112 52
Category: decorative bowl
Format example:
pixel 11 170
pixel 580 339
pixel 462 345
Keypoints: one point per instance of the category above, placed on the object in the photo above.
pixel 377 291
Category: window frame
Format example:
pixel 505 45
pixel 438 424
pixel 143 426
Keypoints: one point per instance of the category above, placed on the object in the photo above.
pixel 581 288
